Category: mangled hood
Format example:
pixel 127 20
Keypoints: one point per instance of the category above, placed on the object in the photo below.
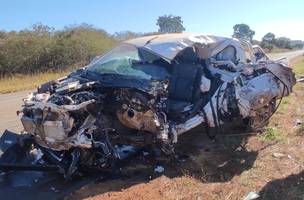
pixel 82 80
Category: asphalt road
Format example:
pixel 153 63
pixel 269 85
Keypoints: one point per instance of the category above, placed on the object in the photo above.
pixel 10 103
pixel 290 55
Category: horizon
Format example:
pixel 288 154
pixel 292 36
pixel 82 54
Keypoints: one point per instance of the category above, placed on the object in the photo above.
pixel 284 20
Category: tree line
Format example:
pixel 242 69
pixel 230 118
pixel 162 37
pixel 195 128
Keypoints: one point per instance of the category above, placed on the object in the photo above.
pixel 269 41
pixel 42 48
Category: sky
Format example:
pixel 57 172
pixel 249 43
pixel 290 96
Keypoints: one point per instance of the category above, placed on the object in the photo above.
pixel 217 17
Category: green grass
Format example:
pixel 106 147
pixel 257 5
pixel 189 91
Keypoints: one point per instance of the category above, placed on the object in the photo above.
pixel 298 68
pixel 27 82
pixel 285 101
pixel 288 103
pixel 270 134
pixel 280 50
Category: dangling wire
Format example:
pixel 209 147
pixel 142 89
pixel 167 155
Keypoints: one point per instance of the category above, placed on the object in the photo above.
pixel 214 115
pixel 217 107
pixel 285 86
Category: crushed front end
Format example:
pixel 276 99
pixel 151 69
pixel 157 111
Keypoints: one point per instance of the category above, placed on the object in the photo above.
pixel 80 123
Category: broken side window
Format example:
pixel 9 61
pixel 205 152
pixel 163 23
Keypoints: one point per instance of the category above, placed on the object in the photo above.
pixel 227 54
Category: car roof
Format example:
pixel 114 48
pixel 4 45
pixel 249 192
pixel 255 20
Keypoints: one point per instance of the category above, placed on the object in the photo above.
pixel 168 45
pixel 176 37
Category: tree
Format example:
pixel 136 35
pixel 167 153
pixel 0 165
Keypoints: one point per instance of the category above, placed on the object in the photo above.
pixel 170 24
pixel 269 38
pixel 2 34
pixel 297 44
pixel 126 35
pixel 267 46
pixel 41 48
pixel 41 29
pixel 268 41
pixel 283 42
pixel 243 31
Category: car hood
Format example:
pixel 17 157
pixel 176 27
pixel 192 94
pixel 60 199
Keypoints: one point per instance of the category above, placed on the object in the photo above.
pixel 83 79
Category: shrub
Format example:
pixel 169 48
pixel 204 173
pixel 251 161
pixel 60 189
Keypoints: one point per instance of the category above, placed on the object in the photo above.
pixel 41 48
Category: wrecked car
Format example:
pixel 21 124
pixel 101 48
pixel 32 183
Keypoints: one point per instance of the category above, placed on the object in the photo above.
pixel 147 92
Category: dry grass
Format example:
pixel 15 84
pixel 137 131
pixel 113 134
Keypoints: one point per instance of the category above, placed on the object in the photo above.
pixel 280 50
pixel 27 82
pixel 298 68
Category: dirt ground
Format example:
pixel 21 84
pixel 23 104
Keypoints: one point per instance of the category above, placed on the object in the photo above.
pixel 269 163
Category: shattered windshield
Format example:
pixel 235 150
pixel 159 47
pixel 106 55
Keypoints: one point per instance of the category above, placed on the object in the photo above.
pixel 131 61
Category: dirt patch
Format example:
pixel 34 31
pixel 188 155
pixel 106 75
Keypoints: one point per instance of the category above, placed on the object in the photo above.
pixel 296 60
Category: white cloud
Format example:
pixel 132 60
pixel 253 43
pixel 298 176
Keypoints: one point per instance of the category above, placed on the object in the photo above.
pixel 291 28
